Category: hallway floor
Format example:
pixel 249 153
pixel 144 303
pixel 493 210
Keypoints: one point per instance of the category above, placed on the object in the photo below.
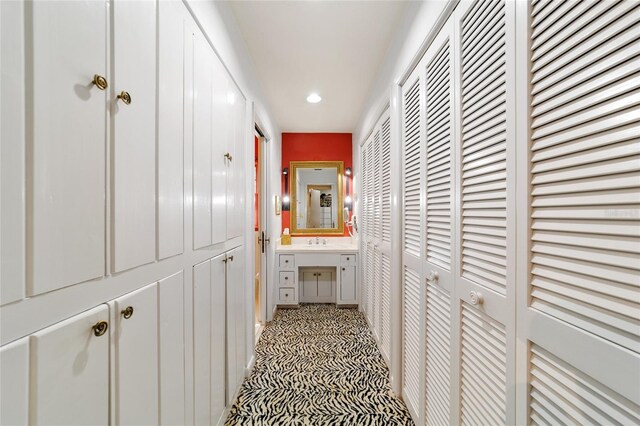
pixel 318 365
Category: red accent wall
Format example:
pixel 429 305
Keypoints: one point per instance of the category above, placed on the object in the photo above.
pixel 316 147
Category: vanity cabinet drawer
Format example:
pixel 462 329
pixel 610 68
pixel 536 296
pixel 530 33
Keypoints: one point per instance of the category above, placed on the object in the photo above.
pixel 287 295
pixel 287 261
pixel 348 259
pixel 287 278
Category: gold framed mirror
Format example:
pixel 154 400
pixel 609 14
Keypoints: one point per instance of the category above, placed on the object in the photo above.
pixel 317 197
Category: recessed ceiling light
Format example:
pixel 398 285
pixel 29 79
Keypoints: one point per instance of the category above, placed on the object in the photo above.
pixel 314 98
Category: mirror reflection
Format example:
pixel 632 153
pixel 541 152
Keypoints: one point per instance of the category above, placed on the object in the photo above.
pixel 317 198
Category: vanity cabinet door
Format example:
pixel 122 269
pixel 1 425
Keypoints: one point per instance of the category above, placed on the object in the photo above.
pixel 347 284
pixel 70 371
pixel 136 357
pixel 325 284
pixel 309 286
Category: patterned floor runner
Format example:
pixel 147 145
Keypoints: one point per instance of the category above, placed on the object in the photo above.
pixel 318 365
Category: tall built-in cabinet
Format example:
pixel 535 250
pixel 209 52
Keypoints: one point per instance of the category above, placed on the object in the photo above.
pixel 520 184
pixel 122 293
pixel 376 232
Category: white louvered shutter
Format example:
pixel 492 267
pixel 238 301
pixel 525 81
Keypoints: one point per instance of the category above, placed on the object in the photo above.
pixel 385 244
pixel 439 223
pixel 412 187
pixel 485 146
pixel 377 234
pixel 412 135
pixel 364 227
pixel 584 226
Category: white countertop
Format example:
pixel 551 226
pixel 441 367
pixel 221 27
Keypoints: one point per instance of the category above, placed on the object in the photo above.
pixel 334 245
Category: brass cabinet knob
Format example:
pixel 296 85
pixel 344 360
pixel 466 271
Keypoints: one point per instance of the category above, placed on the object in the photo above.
pixel 125 96
pixel 100 82
pixel 100 328
pixel 343 269
pixel 228 156
pixel 127 312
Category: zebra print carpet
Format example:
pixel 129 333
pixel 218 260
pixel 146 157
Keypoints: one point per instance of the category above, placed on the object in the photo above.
pixel 318 365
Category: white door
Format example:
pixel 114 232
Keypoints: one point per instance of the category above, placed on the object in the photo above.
pixel 347 284
pixel 484 308
pixel 134 133
pixel 236 321
pixel 579 308
pixel 203 183
pixel 412 249
pixel 238 137
pixel 217 341
pixel 70 371
pixel 209 344
pixel 171 107
pixel 309 286
pixel 135 357
pixel 202 337
pixel 14 383
pixel 384 332
pixel 439 226
pixel 221 126
pixel 171 346
pixel 68 122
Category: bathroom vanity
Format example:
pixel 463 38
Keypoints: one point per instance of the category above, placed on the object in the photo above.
pixel 316 273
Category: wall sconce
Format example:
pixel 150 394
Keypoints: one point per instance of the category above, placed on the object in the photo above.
pixel 286 201
pixel 348 201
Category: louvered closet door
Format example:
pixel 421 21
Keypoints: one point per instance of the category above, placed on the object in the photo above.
pixel 384 332
pixel 583 226
pixel 485 153
pixel 370 273
pixel 377 229
pixel 439 226
pixel 412 178
pixel 365 227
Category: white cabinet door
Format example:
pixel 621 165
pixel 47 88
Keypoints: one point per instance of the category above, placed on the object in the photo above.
pixel 203 79
pixel 14 383
pixel 218 348
pixel 12 152
pixel 236 322
pixel 171 349
pixel 235 174
pixel 202 364
pixel 326 292
pixel 70 371
pixel 221 128
pixel 67 133
pixel 437 66
pixel 210 346
pixel 134 133
pixel 578 301
pixel 412 246
pixel 171 102
pixel 347 284
pixel 309 286
pixel 135 357
pixel 484 307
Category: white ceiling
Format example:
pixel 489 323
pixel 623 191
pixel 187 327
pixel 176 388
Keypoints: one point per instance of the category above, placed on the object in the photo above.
pixel 333 48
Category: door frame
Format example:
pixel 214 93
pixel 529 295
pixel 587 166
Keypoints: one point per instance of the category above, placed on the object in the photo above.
pixel 263 211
